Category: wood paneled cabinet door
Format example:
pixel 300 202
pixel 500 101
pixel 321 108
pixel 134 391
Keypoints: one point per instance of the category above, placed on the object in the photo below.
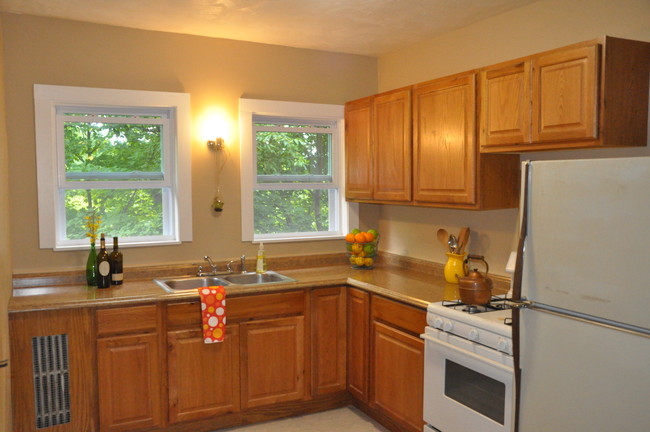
pixel 129 368
pixel 378 147
pixel 444 147
pixel 203 378
pixel 272 361
pixel 328 340
pixel 392 145
pixel 505 115
pixel 397 361
pixel 358 149
pixel 565 95
pixel 358 317
pixel 129 382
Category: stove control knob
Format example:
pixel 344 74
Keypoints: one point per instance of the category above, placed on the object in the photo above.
pixel 473 335
pixel 448 325
pixel 437 323
pixel 503 345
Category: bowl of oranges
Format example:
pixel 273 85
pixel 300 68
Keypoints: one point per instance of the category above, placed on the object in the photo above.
pixel 362 247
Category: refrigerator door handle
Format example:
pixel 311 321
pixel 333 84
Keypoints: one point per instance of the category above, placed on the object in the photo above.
pixel 590 319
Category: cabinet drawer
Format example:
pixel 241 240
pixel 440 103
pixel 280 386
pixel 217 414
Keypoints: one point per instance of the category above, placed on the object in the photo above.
pixel 126 320
pixel 188 314
pixel 409 318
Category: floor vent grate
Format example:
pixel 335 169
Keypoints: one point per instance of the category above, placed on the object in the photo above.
pixel 51 380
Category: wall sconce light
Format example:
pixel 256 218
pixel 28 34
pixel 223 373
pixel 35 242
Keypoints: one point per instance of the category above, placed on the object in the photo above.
pixel 216 144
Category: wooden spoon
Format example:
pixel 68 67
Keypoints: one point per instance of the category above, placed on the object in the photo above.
pixel 443 236
pixel 463 238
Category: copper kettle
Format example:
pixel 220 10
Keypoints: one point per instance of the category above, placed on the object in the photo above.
pixel 475 288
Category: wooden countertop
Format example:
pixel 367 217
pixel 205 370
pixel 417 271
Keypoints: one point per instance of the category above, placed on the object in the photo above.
pixel 408 286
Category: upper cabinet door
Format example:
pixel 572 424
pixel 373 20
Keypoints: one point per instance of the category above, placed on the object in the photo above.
pixel 392 145
pixel 505 116
pixel 358 149
pixel 444 145
pixel 565 94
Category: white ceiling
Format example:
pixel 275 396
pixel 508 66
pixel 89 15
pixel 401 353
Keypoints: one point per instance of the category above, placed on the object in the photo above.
pixel 368 27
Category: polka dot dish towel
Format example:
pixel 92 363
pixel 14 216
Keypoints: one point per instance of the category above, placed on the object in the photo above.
pixel 213 311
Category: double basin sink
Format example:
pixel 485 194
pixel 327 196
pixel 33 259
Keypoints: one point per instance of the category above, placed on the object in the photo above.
pixel 188 283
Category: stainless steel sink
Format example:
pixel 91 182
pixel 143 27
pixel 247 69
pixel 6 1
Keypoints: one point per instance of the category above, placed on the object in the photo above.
pixel 257 278
pixel 188 283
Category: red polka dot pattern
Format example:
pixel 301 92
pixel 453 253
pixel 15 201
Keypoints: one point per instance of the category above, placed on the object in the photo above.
pixel 213 312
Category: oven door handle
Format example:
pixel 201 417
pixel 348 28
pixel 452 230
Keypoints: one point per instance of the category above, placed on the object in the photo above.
pixel 428 338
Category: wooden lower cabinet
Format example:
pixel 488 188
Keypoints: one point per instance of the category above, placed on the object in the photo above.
pixel 328 340
pixel 73 372
pixel 397 362
pixel 272 361
pixel 128 371
pixel 398 374
pixel 358 337
pixel 203 379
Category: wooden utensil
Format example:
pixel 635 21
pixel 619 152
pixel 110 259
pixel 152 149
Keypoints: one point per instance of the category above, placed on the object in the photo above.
pixel 463 238
pixel 443 236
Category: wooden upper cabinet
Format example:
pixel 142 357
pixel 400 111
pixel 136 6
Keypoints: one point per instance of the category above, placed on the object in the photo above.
pixel 392 145
pixel 505 115
pixel 378 147
pixel 443 141
pixel 565 95
pixel 358 149
pixel 591 94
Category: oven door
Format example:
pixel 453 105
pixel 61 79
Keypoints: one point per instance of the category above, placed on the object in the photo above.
pixel 467 386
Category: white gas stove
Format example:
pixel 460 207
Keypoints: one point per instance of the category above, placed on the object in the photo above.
pixel 489 325
pixel 468 369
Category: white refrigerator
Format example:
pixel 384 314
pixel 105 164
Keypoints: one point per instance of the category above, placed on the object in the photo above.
pixel 583 275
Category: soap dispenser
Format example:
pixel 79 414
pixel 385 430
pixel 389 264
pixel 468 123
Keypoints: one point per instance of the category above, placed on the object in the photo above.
pixel 261 263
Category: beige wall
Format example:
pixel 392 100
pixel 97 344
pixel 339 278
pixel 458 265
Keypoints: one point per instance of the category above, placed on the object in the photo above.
pixel 5 257
pixel 537 27
pixel 216 73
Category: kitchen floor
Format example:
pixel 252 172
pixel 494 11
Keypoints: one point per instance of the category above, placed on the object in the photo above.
pixel 348 419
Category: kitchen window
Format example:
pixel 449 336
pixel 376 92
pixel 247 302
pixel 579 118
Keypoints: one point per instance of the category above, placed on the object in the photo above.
pixel 292 176
pixel 120 154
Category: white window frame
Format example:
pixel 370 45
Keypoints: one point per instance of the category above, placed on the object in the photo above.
pixel 347 213
pixel 50 158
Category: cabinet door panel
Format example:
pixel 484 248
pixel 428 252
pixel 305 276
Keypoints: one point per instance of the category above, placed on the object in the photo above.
pixel 358 149
pixel 392 149
pixel 444 145
pixel 358 340
pixel 129 382
pixel 565 95
pixel 506 104
pixel 398 374
pixel 328 340
pixel 203 378
pixel 272 361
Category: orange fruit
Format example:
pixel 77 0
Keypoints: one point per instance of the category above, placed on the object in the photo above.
pixel 349 238
pixel 360 237
pixel 369 237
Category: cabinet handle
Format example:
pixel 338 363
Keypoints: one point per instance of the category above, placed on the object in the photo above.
pixel 4 363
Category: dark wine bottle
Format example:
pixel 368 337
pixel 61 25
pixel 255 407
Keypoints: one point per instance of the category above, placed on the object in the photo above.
pixel 103 265
pixel 116 260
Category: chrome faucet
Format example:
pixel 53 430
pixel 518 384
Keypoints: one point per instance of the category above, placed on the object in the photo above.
pixel 242 260
pixel 212 265
pixel 242 263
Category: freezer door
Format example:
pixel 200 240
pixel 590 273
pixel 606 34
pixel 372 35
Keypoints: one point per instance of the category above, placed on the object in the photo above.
pixel 587 247
pixel 580 377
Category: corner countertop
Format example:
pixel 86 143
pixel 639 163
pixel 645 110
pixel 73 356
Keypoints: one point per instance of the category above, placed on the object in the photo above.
pixel 408 286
